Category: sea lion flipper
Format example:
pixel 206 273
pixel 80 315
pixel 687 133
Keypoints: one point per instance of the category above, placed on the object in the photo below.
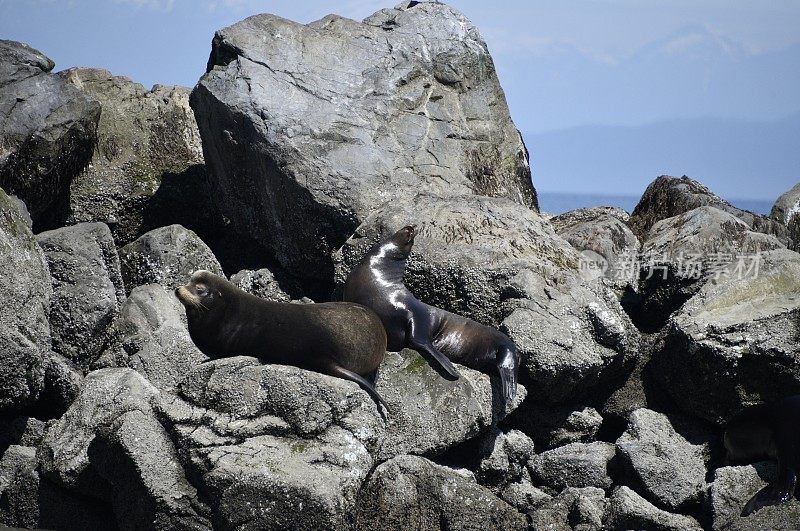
pixel 435 355
pixel 509 382
pixel 775 493
pixel 341 372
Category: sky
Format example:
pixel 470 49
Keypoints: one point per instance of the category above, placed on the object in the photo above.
pixel 648 73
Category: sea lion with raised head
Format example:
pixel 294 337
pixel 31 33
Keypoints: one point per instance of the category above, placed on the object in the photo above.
pixel 438 335
pixel 767 431
pixel 336 338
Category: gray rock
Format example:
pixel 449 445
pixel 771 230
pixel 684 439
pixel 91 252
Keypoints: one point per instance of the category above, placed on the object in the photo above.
pixel 552 426
pixel 524 496
pixel 87 289
pixel 407 101
pixel 579 509
pixel 19 486
pixel 742 331
pixel 21 431
pixel 670 469
pixel 147 169
pixel 260 283
pixel 786 210
pixel 580 216
pixel 151 337
pixel 503 457
pixel 628 510
pixel 573 465
pixel 166 256
pixel 413 493
pixel 47 134
pixel 670 196
pixel 24 324
pixel 62 383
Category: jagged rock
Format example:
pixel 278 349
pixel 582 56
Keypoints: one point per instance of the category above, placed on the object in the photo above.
pixel 574 509
pixel 151 337
pixel 501 264
pixel 608 247
pixel 407 101
pixel 21 431
pixel 503 457
pixel 19 485
pixel 573 465
pixel 47 132
pixel 786 210
pixel 741 331
pixel 166 256
pixel 260 283
pixel 524 496
pixel 670 196
pixel 25 291
pixel 552 426
pixel 410 492
pixel 147 170
pixel 670 469
pixel 87 289
pixel 628 510
pixel 62 383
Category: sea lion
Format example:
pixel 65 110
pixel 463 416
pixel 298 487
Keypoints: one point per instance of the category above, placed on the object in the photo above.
pixel 336 338
pixel 767 431
pixel 438 335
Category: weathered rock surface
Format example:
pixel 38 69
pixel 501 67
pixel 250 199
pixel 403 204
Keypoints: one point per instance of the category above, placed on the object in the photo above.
pixel 742 331
pixel 19 485
pixel 151 337
pixel 47 131
pixel 786 210
pixel 407 101
pixel 260 283
pixel 573 509
pixel 670 196
pixel 410 492
pixel 147 169
pixel 551 426
pixel 167 256
pixel 670 469
pixel 20 431
pixel 524 496
pixel 574 465
pixel 87 289
pixel 503 457
pixel 628 510
pixel 24 312
pixel 62 383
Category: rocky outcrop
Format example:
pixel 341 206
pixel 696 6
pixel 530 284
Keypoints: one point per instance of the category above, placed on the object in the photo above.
pixel 47 132
pixel 551 426
pixel 786 210
pixel 19 485
pixel 628 510
pixel 503 458
pixel 261 283
pixel 87 289
pixel 574 465
pixel 167 256
pixel 573 508
pixel 25 291
pixel 407 101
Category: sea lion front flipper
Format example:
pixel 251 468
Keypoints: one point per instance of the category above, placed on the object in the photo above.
pixel 431 353
pixel 345 374
pixel 508 381
pixel 775 493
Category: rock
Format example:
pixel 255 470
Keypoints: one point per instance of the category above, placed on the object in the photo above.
pixel 503 457
pixel 552 426
pixel 166 256
pixel 407 101
pixel 260 283
pixel 147 170
pixel 670 196
pixel 87 289
pixel 733 487
pixel 741 330
pixel 151 337
pixel 47 135
pixel 501 264
pixel 573 509
pixel 524 496
pixel 413 493
pixel 24 324
pixel 786 210
pixel 19 485
pixel 62 383
pixel 628 510
pixel 670 469
pixel 21 431
pixel 574 465
pixel 608 248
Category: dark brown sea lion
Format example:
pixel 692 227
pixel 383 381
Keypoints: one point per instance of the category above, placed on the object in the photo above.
pixel 337 338
pixel 768 431
pixel 438 335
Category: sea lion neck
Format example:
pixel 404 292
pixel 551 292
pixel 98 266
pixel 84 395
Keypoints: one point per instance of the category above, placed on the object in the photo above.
pixel 387 262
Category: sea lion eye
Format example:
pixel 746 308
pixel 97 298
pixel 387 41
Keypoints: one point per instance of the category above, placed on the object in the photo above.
pixel 201 289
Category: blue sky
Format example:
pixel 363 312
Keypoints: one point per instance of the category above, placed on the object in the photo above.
pixel 567 68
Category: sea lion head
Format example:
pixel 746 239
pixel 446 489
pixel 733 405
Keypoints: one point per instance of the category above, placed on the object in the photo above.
pixel 202 294
pixel 403 241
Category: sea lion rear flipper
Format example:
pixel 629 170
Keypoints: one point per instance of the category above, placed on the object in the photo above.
pixel 775 493
pixel 341 372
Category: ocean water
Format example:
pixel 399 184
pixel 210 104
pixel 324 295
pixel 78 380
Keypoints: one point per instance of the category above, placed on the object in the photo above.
pixel 560 202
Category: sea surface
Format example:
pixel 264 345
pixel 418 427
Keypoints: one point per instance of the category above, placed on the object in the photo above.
pixel 559 202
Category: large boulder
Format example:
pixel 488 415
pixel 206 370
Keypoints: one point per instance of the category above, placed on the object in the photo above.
pixel 573 508
pixel 147 169
pixel 87 289
pixel 574 465
pixel 167 256
pixel 25 291
pixel 308 128
pixel 503 457
pixel 786 210
pixel 410 492
pixel 47 132
pixel 742 329
pixel 628 510
pixel 670 196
